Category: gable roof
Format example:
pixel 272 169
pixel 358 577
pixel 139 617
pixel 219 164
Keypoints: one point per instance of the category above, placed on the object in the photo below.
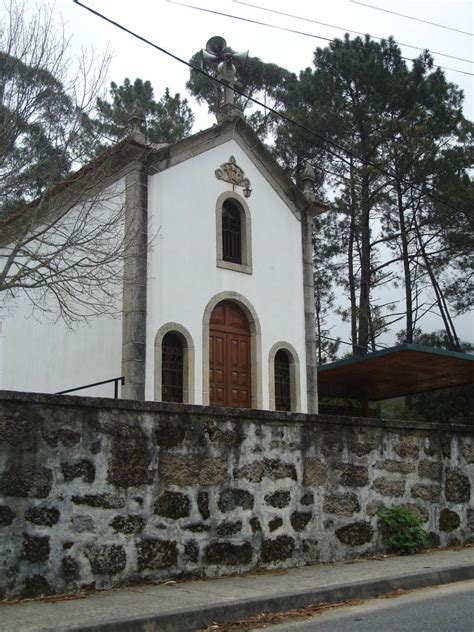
pixel 105 169
pixel 237 129
pixel 115 161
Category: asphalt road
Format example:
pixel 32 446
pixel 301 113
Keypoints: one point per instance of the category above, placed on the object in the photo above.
pixel 448 608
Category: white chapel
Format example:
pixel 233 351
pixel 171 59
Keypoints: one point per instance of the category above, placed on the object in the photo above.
pixel 220 311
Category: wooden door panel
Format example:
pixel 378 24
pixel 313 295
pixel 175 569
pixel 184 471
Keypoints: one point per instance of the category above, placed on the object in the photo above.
pixel 229 357
pixel 244 379
pixel 235 318
pixel 244 398
pixel 238 367
pixel 218 396
pixel 244 351
pixel 219 350
pixel 234 351
pixel 218 315
pixel 217 357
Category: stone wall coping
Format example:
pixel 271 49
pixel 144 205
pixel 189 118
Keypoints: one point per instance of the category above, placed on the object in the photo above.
pixel 220 414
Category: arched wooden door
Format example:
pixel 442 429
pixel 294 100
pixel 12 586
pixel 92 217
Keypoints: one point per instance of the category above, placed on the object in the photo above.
pixel 229 357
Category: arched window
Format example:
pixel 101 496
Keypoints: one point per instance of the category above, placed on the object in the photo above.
pixel 172 366
pixel 231 232
pixel 282 381
pixel 284 377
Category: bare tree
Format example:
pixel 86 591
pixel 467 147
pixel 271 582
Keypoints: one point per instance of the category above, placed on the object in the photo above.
pixel 64 234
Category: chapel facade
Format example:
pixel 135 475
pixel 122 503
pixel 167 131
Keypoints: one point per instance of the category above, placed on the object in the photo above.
pixel 218 298
pixel 229 314
pixel 219 310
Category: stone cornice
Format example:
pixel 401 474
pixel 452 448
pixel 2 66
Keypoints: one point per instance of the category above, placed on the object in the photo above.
pixel 236 129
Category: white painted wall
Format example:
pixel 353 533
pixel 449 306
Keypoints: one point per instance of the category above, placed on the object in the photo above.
pixel 182 273
pixel 182 278
pixel 42 357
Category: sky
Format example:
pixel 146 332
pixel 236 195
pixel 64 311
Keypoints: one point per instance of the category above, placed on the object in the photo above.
pixel 183 31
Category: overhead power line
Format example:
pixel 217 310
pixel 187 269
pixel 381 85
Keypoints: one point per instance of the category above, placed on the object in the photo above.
pixel 411 17
pixel 288 30
pixel 346 30
pixel 284 117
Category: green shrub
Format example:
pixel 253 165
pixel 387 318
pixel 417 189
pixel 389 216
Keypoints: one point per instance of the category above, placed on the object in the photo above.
pixel 402 531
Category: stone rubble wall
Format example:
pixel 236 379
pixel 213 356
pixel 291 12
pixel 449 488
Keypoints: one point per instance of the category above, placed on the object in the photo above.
pixel 98 493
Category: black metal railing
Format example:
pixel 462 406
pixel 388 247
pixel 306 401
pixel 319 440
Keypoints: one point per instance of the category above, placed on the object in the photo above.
pixel 115 380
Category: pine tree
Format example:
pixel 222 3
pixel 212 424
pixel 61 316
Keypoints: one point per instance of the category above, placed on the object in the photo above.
pixel 164 121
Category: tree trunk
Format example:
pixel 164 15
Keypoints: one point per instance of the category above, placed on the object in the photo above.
pixel 350 260
pixel 406 268
pixel 364 293
pixel 372 334
pixel 440 300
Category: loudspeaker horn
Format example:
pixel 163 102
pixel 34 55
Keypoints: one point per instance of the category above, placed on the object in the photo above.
pixel 241 58
pixel 209 57
pixel 216 45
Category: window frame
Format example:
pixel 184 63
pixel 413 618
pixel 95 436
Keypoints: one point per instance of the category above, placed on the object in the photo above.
pixel 188 361
pixel 295 381
pixel 245 234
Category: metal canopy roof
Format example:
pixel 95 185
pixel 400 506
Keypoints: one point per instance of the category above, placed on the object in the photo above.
pixel 402 370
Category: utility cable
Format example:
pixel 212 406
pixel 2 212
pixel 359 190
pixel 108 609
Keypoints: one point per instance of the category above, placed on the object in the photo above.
pixel 288 30
pixel 209 76
pixel 411 17
pixel 284 117
pixel 341 28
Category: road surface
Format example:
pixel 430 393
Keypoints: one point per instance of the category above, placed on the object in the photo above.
pixel 448 608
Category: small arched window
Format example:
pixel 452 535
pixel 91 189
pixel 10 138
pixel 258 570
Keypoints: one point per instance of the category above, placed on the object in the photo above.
pixel 231 232
pixel 172 368
pixel 282 381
